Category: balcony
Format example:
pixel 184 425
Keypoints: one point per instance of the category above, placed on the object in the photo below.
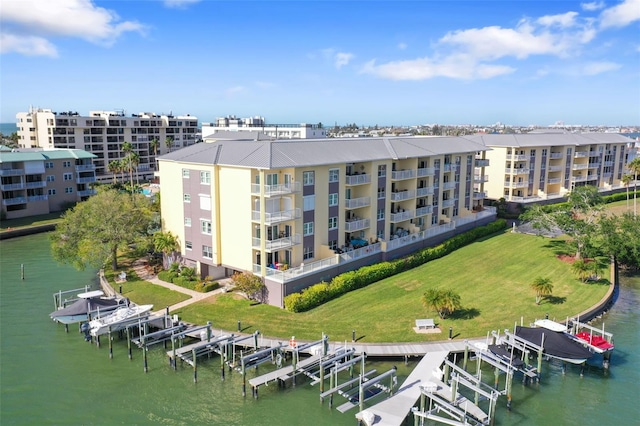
pixel 85 167
pixel 555 155
pixel 36 184
pixel 430 232
pixel 607 175
pixel 86 193
pixel 480 178
pixel 555 168
pixel 580 166
pixel 401 216
pixel 516 184
pixel 516 157
pixel 593 165
pixel 11 172
pixel 278 244
pixel 297 272
pixel 14 201
pixel 357 225
pixel 448 185
pixel 608 164
pixel 482 163
pixel 426 171
pixel 554 180
pixel 356 203
pixel 450 167
pixel 479 195
pixel 34 198
pixel 423 192
pixel 423 211
pixel 89 179
pixel 352 180
pixel 516 171
pixel 581 154
pixel 449 203
pixel 403 174
pixel 578 178
pixel 594 154
pixel 12 186
pixel 271 218
pixel 276 190
pixel 402 195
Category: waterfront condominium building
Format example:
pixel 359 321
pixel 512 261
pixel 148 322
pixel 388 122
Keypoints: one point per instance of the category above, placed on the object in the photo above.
pixel 257 124
pixel 103 133
pixel 37 181
pixel 297 212
pixel 533 167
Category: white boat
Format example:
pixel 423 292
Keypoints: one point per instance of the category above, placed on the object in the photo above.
pixel 89 305
pixel 119 319
pixel 551 325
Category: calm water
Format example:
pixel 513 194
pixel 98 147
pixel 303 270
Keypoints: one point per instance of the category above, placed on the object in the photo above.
pixel 8 128
pixel 50 377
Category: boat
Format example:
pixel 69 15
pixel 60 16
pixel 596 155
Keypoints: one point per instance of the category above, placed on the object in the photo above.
pixel 119 319
pixel 597 343
pixel 556 344
pixel 506 355
pixel 89 305
pixel 550 325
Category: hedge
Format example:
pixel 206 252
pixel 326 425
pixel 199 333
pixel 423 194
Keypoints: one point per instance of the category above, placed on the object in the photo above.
pixel 320 293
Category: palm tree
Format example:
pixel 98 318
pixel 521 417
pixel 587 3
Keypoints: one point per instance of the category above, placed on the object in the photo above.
pixel 134 157
pixel 626 181
pixel 154 145
pixel 542 287
pixel 127 148
pixel 114 167
pixel 581 269
pixel 634 167
pixel 166 243
pixel 445 302
pixel 169 142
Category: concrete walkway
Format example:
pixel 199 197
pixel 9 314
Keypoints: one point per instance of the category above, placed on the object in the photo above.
pixel 140 268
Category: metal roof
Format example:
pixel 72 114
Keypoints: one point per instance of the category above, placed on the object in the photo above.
pixel 42 155
pixel 547 139
pixel 313 152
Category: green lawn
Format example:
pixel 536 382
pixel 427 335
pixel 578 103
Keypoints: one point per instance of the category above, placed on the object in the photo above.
pixel 25 222
pixel 492 277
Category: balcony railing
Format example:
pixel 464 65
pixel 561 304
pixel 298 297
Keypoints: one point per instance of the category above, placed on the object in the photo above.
pixel 554 180
pixel 297 272
pixel 403 174
pixel 516 184
pixel 594 154
pixel 480 178
pixel 277 217
pixel 516 157
pixel 36 184
pixel 448 185
pixel 86 193
pixel 278 244
pixel 423 192
pixel 14 201
pixel 275 190
pixel 85 167
pixel 516 171
pixel 578 178
pixel 594 165
pixel 580 166
pixel 479 195
pixel 423 211
pixel 555 155
pixel 607 174
pixel 449 203
pixel 450 167
pixel 401 216
pixel 418 236
pixel 360 252
pixel 11 172
pixel 555 168
pixel 354 203
pixel 581 154
pixel 426 171
pixel 357 225
pixel 357 179
pixel 482 163
pixel 33 198
pixel 12 186
pixel 402 195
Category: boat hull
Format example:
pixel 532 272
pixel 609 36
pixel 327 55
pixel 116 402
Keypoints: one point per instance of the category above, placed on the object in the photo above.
pixel 119 319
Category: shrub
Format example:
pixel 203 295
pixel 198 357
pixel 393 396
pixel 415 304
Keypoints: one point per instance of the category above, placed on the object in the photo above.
pixel 167 276
pixel 206 286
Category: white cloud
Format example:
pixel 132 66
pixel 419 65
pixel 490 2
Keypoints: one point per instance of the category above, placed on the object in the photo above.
pixel 402 46
pixel 178 4
pixel 26 45
pixel 564 20
pixel 595 68
pixel 40 20
pixel 235 90
pixel 590 7
pixel 341 59
pixel 621 15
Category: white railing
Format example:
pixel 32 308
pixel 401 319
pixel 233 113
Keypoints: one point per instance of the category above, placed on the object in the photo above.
pixel 418 236
pixel 36 184
pixel 594 154
pixel 479 195
pixel 480 178
pixel 357 179
pixel 555 155
pixel 11 172
pixel 517 171
pixel 580 166
pixel 85 167
pixel 426 171
pixel 516 157
pixel 86 192
pixel 86 179
pixel 423 211
pixel 33 198
pixel 450 167
pixel 555 168
pixel 356 225
pixel 449 203
pixel 354 203
pixel 402 195
pixel 578 178
pixel 279 243
pixel 448 185
pixel 400 216
pixel 12 186
pixel 14 201
pixel 593 165
pixel 423 192
pixel 580 154
pixel 482 163
pixel 554 180
pixel 360 252
pixel 516 184
pixel 297 272
pixel 279 189
pixel 524 199
pixel 403 174
pixel 592 176
pixel 276 217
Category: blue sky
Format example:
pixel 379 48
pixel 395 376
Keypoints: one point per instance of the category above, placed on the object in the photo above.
pixel 381 62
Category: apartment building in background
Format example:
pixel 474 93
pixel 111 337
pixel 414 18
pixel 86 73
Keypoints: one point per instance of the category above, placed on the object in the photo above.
pixel 231 123
pixel 534 167
pixel 37 181
pixel 103 133
pixel 297 212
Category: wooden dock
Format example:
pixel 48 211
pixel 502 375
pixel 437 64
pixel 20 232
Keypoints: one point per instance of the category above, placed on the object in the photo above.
pixel 285 373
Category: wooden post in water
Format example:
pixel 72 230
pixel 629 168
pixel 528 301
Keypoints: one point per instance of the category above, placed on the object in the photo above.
pixel 540 358
pixel 110 344
pixel 172 360
pixel 509 386
pixel 466 357
pixel 195 365
pixel 223 355
pixel 322 379
pixel 447 372
pixel 496 374
pixel 129 342
pixel 361 394
pixel 244 376
pixel 22 271
pixel 454 387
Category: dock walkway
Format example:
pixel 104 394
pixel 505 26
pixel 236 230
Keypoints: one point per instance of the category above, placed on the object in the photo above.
pixel 284 373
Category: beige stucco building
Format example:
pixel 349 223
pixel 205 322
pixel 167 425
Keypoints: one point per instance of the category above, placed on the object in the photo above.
pixel 36 181
pixel 296 212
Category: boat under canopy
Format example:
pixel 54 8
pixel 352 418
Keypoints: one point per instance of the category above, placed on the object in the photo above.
pixel 555 344
pixel 79 310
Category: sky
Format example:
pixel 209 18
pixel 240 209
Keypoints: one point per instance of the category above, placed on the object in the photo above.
pixel 380 63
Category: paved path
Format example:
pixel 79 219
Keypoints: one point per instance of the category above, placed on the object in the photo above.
pixel 140 268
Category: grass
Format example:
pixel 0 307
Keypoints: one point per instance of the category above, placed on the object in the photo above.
pixel 26 222
pixel 492 277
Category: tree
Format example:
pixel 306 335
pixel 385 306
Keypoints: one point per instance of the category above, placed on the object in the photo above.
pixel 127 148
pixel 581 269
pixel 542 287
pixel 167 243
pixel 169 142
pixel 619 238
pixel 154 145
pixel 445 302
pixel 626 181
pixel 248 284
pixel 634 167
pixel 134 159
pixel 91 233
pixel 114 167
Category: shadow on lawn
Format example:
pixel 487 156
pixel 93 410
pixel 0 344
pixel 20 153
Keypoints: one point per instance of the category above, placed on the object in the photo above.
pixel 465 313
pixel 555 300
pixel 560 247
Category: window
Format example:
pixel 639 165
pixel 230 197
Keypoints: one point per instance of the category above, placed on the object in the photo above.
pixel 188 245
pixel 51 192
pixel 187 221
pixel 533 152
pixel 48 165
pixel 68 190
pixel 333 222
pixel 380 214
pixel 309 202
pixel 333 244
pixel 334 175
pixel 187 198
pixel 67 176
pixel 307 228
pixel 382 170
pixel 205 202
pixel 185 173
pixel 66 164
pixel 333 199
pixel 308 178
pixel 51 178
pixel 205 226
pixel 381 192
pixel 207 252
pixel 307 253
pixel 205 178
